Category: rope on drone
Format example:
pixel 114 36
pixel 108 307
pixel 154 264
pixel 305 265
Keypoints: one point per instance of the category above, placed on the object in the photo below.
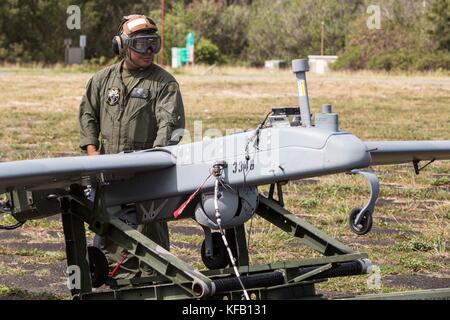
pixel 222 233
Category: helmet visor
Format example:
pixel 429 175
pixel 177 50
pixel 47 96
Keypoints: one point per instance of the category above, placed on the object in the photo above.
pixel 141 44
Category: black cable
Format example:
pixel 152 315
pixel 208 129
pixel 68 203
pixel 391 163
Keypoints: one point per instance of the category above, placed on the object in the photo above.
pixel 247 158
pixel 12 227
pixel 258 129
pixel 5 208
pixel 248 240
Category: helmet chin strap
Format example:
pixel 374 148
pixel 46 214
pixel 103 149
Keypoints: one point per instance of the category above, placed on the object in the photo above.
pixel 130 62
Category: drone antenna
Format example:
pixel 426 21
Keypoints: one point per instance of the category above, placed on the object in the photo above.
pixel 300 67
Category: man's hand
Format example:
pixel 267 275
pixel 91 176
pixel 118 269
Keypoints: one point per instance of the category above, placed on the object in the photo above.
pixel 92 150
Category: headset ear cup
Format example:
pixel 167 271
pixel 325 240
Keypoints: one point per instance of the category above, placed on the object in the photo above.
pixel 117 45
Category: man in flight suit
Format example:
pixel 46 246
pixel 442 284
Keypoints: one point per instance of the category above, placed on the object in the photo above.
pixel 132 105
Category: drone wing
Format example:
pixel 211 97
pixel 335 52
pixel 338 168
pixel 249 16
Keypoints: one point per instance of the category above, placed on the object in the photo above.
pixel 58 172
pixel 395 152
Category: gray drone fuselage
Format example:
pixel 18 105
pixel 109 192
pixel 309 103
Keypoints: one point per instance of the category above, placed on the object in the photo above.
pixel 283 154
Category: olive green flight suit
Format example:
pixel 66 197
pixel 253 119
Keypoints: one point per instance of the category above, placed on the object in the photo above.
pixel 140 114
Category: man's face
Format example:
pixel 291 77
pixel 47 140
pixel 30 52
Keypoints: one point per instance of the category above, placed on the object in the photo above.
pixel 143 60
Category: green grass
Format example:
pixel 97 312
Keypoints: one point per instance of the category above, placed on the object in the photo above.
pixel 49 255
pixel 10 292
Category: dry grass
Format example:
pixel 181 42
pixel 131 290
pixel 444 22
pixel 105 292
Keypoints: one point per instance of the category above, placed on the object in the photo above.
pixel 411 228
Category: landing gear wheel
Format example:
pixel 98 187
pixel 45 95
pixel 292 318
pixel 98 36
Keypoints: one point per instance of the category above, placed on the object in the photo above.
pixel 98 266
pixel 220 258
pixel 365 224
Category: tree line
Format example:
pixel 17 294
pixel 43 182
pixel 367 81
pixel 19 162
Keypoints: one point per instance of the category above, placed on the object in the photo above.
pixel 410 35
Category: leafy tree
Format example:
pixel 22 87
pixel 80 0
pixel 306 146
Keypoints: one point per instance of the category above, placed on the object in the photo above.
pixel 206 52
pixel 412 35
pixel 230 34
pixel 289 29
pixel 223 26
pixel 32 30
pixel 438 16
pixel 176 27
pixel 400 44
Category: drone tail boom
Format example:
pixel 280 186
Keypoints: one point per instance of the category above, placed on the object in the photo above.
pixel 396 152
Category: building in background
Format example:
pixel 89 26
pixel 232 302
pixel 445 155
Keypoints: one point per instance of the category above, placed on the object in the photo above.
pixel 74 55
pixel 275 64
pixel 321 64
pixel 185 55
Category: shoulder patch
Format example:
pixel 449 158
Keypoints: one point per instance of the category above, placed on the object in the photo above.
pixel 172 87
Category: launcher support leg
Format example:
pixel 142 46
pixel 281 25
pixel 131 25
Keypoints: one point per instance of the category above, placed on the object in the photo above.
pixel 290 223
pixel 75 239
pixel 167 265
pixel 155 256
pixel 236 238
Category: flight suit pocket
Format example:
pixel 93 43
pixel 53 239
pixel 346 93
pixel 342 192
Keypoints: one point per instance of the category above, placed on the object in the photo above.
pixel 167 115
pixel 140 93
pixel 142 126
pixel 140 98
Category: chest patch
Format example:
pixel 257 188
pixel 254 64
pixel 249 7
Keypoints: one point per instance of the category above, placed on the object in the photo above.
pixel 113 96
pixel 140 93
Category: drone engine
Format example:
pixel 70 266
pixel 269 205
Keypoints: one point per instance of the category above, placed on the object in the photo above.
pixel 235 207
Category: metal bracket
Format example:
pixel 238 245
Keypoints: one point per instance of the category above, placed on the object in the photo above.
pixel 374 184
pixel 312 273
pixel 209 250
pixel 416 165
pixel 279 193
pixel 273 212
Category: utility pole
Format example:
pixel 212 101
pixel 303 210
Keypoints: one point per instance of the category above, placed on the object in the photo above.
pixel 161 53
pixel 322 38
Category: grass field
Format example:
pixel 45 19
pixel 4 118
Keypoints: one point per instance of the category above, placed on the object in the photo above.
pixel 410 237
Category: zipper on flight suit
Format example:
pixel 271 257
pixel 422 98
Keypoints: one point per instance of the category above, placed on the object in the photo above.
pixel 123 105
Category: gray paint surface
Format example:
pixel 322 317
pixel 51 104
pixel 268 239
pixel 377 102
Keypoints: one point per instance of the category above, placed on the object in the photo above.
pixel 282 154
pixel 394 152
pixel 30 173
